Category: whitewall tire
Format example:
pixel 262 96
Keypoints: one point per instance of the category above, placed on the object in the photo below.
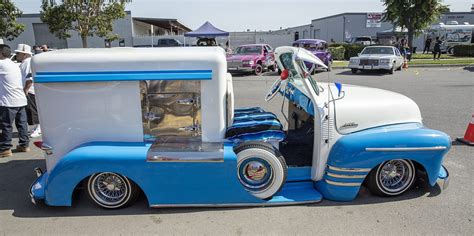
pixel 261 169
pixel 392 177
pixel 111 190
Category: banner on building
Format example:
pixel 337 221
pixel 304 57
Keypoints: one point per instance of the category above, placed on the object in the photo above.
pixel 374 20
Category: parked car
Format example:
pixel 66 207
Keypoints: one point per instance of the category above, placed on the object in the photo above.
pixel 364 40
pixel 255 58
pixel 386 58
pixel 319 48
pixel 144 124
pixel 168 42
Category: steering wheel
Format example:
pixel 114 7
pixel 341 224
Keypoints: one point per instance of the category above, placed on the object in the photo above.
pixel 276 86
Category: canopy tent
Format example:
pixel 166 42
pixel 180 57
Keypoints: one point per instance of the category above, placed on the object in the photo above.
pixel 207 30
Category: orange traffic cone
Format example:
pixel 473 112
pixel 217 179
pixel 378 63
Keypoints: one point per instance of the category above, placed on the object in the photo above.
pixel 405 64
pixel 469 135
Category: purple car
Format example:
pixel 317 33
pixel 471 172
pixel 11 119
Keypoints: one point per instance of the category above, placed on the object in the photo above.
pixel 318 47
pixel 255 58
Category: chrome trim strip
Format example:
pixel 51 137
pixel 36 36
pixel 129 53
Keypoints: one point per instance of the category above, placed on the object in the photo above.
pixel 349 169
pixel 211 157
pixel 235 204
pixel 345 176
pixel 345 184
pixel 406 149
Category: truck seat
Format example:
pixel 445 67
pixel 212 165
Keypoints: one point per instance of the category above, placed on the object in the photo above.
pixel 250 123
pixel 255 124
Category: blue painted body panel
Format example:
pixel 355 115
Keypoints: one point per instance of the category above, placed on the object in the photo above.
pixel 162 182
pixel 350 152
pixel 61 77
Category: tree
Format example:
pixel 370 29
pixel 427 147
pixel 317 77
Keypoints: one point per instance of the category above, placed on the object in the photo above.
pixel 414 15
pixel 87 17
pixel 9 28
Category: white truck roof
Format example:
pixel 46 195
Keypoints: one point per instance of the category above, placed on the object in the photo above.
pixel 129 59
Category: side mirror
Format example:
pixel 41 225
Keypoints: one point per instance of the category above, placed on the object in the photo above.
pixel 358 54
pixel 284 74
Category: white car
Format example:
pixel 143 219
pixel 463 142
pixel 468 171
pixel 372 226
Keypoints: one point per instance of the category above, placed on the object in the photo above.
pixel 377 58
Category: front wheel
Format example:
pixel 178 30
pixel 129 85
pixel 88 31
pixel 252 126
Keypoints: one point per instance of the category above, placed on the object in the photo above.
pixel 354 71
pixel 392 178
pixel 391 70
pixel 261 169
pixel 258 69
pixel 110 190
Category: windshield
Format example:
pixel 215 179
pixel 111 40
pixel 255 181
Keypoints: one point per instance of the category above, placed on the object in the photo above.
pixel 378 50
pixel 297 70
pixel 307 46
pixel 248 50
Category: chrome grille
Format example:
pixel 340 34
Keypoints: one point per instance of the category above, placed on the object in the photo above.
pixel 369 62
pixel 234 63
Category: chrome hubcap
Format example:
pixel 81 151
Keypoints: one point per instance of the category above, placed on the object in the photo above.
pixel 255 171
pixel 255 174
pixel 395 175
pixel 109 188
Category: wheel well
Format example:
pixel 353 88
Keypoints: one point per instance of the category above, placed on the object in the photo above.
pixel 83 185
pixel 259 62
pixel 419 169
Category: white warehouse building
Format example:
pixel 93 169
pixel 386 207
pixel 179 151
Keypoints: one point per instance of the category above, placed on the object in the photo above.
pixel 132 31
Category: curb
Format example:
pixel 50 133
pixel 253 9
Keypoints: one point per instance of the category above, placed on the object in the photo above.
pixel 421 65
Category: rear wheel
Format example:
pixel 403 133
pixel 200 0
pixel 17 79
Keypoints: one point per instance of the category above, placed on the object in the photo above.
pixel 392 178
pixel 261 169
pixel 111 190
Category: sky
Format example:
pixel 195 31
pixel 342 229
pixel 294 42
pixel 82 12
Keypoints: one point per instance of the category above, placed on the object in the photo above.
pixel 240 15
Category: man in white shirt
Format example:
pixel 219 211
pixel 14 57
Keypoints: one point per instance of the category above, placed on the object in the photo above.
pixel 23 54
pixel 12 105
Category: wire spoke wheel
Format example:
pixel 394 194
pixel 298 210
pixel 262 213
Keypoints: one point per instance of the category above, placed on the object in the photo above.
pixel 392 177
pixel 110 190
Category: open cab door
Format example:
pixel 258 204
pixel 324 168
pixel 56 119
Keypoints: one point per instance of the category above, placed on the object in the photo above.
pixel 291 61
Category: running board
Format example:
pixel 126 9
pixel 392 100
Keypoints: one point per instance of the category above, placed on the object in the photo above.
pixel 296 193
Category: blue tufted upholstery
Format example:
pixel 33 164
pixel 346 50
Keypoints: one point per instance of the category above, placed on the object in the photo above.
pixel 255 124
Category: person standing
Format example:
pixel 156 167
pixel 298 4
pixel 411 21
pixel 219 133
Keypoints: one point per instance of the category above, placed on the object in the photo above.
pixel 427 45
pixel 402 47
pixel 437 49
pixel 23 55
pixel 12 105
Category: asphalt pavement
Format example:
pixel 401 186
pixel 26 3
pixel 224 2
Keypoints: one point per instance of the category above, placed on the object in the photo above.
pixel 446 100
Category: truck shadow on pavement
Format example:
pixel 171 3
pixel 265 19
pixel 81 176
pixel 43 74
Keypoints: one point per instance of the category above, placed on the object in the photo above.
pixel 16 177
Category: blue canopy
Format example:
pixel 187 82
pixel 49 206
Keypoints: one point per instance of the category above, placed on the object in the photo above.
pixel 206 30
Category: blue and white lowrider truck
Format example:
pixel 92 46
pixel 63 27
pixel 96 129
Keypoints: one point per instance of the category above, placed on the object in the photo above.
pixel 161 122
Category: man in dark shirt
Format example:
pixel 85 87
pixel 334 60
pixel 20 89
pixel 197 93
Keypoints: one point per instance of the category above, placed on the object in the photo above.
pixel 427 45
pixel 437 49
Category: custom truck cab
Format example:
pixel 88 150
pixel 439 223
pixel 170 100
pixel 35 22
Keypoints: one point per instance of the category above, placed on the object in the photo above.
pixel 162 122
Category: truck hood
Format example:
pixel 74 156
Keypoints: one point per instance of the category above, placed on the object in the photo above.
pixel 363 108
pixel 241 57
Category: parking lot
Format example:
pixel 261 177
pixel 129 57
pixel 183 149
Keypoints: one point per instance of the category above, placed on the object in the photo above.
pixel 446 99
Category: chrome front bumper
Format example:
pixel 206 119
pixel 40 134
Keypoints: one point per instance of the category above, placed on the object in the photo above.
pixel 371 67
pixel 443 178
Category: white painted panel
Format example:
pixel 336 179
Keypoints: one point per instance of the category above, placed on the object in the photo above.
pixel 72 114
